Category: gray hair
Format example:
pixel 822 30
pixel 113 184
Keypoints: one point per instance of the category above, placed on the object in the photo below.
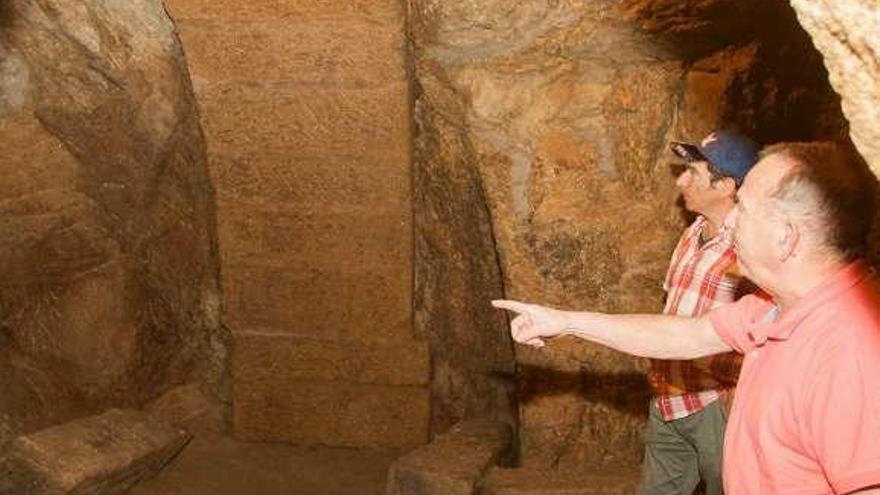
pixel 831 184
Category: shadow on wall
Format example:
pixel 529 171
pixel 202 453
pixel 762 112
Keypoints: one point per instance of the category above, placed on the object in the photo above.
pixel 625 392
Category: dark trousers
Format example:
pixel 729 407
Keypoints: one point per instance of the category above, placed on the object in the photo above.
pixel 682 452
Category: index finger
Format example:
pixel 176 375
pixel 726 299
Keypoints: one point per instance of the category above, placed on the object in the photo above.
pixel 517 306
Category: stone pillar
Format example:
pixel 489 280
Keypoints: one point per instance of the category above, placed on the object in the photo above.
pixel 307 115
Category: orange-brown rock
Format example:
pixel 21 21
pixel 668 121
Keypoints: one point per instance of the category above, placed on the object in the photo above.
pixel 845 31
pixel 108 263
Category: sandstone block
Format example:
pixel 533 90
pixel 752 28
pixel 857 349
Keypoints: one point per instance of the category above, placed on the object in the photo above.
pixel 336 414
pixel 375 180
pixel 305 121
pixel 345 235
pixel 320 300
pixel 260 358
pixel 452 464
pixel 331 51
pixel 257 10
pixel 99 455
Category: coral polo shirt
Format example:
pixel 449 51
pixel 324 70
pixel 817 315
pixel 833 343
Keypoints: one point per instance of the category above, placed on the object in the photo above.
pixel 806 419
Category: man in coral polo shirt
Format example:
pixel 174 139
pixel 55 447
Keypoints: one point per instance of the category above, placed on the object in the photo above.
pixel 807 415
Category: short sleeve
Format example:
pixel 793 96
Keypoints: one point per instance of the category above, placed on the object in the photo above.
pixel 732 321
pixel 842 417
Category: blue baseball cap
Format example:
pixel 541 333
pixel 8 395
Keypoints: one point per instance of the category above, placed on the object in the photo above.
pixel 729 152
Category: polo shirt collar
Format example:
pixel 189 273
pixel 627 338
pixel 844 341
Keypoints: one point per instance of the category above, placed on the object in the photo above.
pixel 782 328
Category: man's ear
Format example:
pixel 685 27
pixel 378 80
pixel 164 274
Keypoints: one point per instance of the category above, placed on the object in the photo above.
pixel 726 186
pixel 789 236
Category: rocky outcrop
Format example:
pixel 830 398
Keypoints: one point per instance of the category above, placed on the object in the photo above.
pixel 845 31
pixel 523 105
pixel 108 260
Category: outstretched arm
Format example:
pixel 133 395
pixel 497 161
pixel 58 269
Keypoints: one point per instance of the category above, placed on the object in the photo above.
pixel 653 336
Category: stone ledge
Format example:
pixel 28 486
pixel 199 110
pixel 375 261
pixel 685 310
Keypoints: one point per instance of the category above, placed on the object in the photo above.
pixel 454 463
pixel 99 455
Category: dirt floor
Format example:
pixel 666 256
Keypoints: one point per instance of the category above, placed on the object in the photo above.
pixel 215 465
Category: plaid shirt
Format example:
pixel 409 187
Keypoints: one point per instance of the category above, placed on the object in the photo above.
pixel 699 279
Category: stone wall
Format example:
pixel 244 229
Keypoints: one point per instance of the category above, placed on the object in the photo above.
pixel 306 108
pixel 557 115
pixel 108 264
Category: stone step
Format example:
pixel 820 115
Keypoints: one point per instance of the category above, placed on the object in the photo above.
pixel 607 480
pixel 453 463
pixel 99 455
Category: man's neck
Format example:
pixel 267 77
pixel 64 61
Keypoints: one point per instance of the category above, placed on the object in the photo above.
pixel 805 276
pixel 714 220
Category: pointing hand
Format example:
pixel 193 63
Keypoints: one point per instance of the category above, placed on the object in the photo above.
pixel 533 323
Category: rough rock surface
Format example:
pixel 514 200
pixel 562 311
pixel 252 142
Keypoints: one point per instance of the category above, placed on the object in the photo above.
pixel 557 115
pixel 456 272
pixel 108 264
pixel 98 455
pixel 520 102
pixel 845 31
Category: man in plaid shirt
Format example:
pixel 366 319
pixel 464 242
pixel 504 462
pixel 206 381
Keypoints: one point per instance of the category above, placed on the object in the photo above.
pixel 686 422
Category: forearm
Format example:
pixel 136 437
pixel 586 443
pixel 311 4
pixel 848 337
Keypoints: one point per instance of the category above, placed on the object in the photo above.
pixel 653 336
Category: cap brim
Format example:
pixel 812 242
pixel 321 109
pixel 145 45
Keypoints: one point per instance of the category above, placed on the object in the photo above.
pixel 687 151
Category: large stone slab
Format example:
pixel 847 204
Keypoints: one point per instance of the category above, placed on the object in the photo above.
pixel 452 464
pixel 287 358
pixel 291 234
pixel 257 10
pixel 305 121
pixel 336 414
pixel 323 300
pixel 99 455
pixel 374 180
pixel 332 51
pixel 306 108
pixel 330 391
